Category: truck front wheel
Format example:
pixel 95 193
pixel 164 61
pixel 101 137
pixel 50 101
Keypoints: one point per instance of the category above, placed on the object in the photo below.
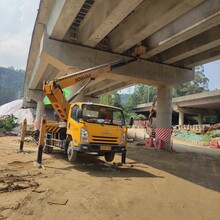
pixel 71 153
pixel 109 157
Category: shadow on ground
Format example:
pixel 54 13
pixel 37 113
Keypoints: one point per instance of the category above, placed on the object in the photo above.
pixel 198 167
pixel 94 166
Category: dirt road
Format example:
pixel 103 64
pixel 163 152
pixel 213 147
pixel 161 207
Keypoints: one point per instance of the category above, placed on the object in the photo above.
pixel 152 185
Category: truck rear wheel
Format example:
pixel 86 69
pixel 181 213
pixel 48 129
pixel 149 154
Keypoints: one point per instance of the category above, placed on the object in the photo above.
pixel 71 153
pixel 47 149
pixel 109 157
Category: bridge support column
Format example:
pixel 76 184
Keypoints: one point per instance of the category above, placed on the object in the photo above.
pixel 181 118
pixel 200 119
pixel 164 116
pixel 39 114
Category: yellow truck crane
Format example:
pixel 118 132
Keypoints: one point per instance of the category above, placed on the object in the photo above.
pixel 83 126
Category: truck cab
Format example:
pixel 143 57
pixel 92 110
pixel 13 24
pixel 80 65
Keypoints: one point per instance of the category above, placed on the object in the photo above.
pixel 95 128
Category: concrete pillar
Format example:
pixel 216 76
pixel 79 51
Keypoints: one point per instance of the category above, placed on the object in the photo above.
pixel 200 119
pixel 39 114
pixel 164 116
pixel 181 118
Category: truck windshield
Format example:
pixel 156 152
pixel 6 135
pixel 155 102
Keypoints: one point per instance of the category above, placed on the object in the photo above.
pixel 102 115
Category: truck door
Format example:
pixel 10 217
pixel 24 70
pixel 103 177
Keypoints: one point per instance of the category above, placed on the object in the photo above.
pixel 73 126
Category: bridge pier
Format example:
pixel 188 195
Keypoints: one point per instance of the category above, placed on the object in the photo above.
pixel 39 114
pixel 181 118
pixel 200 119
pixel 164 115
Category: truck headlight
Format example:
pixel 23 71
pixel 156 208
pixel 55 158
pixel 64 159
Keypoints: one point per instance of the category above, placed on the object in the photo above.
pixel 84 136
pixel 123 138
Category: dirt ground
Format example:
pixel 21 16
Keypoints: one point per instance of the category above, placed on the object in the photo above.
pixel 153 184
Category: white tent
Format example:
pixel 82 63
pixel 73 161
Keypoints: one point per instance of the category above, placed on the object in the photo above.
pixel 15 108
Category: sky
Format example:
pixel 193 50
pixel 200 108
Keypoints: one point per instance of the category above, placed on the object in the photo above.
pixel 17 19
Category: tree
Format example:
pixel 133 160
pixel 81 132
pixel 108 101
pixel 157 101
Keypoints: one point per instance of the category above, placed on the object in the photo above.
pixel 111 99
pixel 12 84
pixel 199 84
pixel 142 94
pixel 8 123
pixel 7 95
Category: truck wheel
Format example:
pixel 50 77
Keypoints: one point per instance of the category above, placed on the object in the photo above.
pixel 109 157
pixel 71 153
pixel 47 150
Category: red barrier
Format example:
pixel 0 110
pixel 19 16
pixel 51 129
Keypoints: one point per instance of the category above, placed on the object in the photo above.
pixel 159 144
pixel 149 142
pixel 214 144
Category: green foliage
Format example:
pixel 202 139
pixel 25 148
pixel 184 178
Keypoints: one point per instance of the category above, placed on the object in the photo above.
pixel 199 84
pixel 12 83
pixel 124 98
pixel 111 99
pixel 8 123
pixel 142 94
pixel 139 117
pixel 210 119
pixel 211 134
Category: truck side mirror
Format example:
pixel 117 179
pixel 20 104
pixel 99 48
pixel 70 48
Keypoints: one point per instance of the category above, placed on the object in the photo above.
pixel 79 113
pixel 131 121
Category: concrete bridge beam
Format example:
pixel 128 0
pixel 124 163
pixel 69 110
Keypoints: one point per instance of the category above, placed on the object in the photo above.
pixel 62 16
pixel 93 30
pixel 65 56
pixel 202 42
pixel 204 17
pixel 100 86
pixel 36 95
pixel 115 87
pixel 37 73
pixel 154 15
pixel 200 58
pixel 82 97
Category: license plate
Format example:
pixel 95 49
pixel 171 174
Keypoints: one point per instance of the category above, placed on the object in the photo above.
pixel 105 148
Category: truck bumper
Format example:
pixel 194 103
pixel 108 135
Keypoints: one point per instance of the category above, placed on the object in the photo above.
pixel 100 148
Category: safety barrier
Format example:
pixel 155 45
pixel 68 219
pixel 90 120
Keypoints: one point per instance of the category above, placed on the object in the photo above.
pixel 197 129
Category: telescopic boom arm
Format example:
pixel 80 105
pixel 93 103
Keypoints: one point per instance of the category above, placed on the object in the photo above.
pixel 53 89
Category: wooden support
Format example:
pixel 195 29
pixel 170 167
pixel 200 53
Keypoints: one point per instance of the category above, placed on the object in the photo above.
pixel 24 128
pixel 41 139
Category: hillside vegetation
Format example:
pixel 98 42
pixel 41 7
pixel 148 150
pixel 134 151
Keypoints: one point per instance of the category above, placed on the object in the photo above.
pixel 11 84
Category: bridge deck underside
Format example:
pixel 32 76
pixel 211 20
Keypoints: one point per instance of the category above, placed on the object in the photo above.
pixel 175 36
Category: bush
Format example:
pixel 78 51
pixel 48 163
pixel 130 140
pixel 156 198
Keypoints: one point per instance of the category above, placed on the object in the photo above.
pixel 140 117
pixel 8 123
pixel 211 134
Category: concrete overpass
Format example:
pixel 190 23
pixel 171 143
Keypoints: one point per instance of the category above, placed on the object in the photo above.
pixel 174 35
pixel 201 104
